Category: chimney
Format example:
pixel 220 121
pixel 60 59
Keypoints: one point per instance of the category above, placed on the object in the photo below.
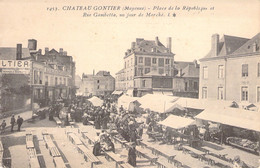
pixel 46 50
pixel 19 52
pixel 195 63
pixel 169 44
pixel 156 40
pixel 133 45
pixel 32 44
pixel 40 51
pixel 215 45
pixel 126 53
pixel 93 72
pixel 61 51
pixel 65 53
pixel 180 72
pixel 255 47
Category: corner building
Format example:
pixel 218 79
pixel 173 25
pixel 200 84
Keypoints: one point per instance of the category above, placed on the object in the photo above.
pixel 148 67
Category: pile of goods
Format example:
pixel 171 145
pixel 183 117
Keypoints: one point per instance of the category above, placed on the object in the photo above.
pixel 244 143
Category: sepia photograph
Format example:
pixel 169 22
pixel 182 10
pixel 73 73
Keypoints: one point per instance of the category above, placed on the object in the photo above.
pixel 129 84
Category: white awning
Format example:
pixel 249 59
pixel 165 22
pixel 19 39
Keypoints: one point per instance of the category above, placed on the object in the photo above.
pixel 232 116
pixel 129 92
pixel 167 93
pixel 177 122
pixel 158 92
pixel 96 101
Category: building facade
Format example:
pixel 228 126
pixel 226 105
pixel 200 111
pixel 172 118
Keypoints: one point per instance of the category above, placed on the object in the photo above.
pixel 186 80
pixel 144 64
pixel 149 67
pixel 100 84
pixel 231 70
pixel 31 77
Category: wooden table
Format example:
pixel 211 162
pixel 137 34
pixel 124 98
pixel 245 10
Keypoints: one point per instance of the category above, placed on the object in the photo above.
pixel 114 157
pixel 188 149
pixel 58 162
pixel 214 160
pixel 209 150
pixel 74 139
pixel 85 136
pixel 126 165
pixel 54 152
pixel 88 155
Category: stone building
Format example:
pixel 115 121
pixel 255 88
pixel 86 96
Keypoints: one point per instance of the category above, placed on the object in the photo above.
pixel 231 70
pixel 186 80
pixel 149 67
pixel 46 78
pixel 101 83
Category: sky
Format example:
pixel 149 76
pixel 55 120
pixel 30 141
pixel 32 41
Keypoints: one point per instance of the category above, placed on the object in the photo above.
pixel 100 43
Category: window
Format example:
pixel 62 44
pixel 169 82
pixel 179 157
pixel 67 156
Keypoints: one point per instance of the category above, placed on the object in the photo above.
pixel 64 81
pixel 140 59
pixel 98 87
pixel 143 83
pixel 186 86
pixel 195 86
pixel 204 93
pixel 146 70
pixel 220 71
pixel 46 80
pixel 154 60
pixel 128 63
pixel 131 61
pixel 36 77
pixel 161 62
pixel 167 61
pixel 140 71
pixel 60 81
pixel 258 69
pixel 56 81
pixel 161 71
pixel 258 94
pixel 244 70
pixel 205 72
pixel 125 64
pixel 147 61
pixel 244 93
pixel 97 81
pixel 220 93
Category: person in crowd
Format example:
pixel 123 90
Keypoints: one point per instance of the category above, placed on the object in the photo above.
pixel 132 155
pixel 140 130
pixel 12 123
pixel 109 145
pixel 238 163
pixel 97 148
pixel 3 125
pixel 19 123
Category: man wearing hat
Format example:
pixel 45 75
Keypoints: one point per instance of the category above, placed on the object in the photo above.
pixel 12 123
pixel 132 155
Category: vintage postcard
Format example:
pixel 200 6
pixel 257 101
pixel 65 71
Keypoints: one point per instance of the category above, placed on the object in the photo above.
pixel 129 83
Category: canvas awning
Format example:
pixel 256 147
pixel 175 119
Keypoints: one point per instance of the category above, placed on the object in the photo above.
pixel 129 92
pixel 168 93
pixel 117 92
pixel 125 101
pixel 232 116
pixel 157 103
pixel 177 122
pixel 96 101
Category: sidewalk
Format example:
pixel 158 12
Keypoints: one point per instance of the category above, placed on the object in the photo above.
pixel 25 115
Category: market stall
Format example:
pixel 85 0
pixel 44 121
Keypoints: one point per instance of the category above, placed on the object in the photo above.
pixel 96 101
pixel 239 127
